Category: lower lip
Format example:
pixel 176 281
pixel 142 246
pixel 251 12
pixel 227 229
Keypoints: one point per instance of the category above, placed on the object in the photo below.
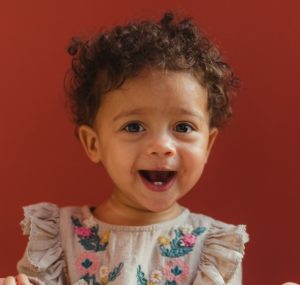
pixel 158 188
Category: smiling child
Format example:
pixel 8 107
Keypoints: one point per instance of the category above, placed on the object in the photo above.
pixel 148 99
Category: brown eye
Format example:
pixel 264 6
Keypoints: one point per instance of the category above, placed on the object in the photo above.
pixel 134 128
pixel 183 128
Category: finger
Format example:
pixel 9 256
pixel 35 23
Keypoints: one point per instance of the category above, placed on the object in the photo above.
pixel 10 280
pixel 22 279
pixel 290 283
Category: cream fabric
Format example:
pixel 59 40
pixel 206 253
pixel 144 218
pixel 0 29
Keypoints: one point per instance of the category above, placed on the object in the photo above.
pixel 54 249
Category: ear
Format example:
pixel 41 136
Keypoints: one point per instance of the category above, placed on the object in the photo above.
pixel 211 140
pixel 90 142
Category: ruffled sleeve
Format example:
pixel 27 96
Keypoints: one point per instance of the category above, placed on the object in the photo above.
pixel 223 251
pixel 43 260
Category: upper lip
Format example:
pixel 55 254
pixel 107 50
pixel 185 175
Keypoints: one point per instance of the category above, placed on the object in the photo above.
pixel 158 169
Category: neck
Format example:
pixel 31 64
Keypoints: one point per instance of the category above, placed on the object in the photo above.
pixel 116 213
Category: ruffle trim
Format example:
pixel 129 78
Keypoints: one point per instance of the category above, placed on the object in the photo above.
pixel 35 281
pixel 223 251
pixel 44 250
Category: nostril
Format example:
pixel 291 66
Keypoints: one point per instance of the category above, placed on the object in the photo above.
pixel 167 153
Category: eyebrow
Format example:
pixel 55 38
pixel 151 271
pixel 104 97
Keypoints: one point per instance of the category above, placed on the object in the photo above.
pixel 129 113
pixel 192 113
pixel 182 111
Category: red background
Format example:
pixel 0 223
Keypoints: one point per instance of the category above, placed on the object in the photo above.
pixel 252 176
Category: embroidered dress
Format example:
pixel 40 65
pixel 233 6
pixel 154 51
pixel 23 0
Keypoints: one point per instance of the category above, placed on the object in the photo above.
pixel 70 246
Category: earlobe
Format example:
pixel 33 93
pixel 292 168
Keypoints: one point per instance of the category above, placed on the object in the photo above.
pixel 89 140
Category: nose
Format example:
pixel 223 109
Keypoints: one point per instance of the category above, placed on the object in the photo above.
pixel 161 145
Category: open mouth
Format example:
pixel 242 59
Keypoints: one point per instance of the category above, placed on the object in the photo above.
pixel 157 177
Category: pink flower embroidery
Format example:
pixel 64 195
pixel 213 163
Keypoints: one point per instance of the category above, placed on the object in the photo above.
pixel 87 262
pixel 189 240
pixel 83 232
pixel 176 270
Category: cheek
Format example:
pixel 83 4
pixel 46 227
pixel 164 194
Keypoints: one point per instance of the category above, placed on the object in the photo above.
pixel 194 159
pixel 118 159
pixel 194 155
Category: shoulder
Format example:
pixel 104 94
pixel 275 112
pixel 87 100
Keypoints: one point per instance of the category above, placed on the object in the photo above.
pixel 219 228
pixel 44 216
pixel 223 250
pixel 45 224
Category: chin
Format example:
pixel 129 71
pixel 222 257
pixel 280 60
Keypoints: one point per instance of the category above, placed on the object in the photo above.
pixel 156 209
pixel 159 207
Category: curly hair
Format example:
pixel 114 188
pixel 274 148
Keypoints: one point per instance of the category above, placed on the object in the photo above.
pixel 124 51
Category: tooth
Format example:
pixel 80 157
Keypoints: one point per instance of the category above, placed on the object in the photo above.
pixel 158 183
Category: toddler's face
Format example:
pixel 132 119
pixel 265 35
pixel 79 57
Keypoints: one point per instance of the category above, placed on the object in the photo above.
pixel 152 136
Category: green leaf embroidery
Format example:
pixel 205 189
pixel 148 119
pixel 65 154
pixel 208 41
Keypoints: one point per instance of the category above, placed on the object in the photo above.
pixel 141 280
pixel 116 272
pixel 92 242
pixel 176 248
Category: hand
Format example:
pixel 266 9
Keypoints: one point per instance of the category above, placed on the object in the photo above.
pixel 290 283
pixel 20 279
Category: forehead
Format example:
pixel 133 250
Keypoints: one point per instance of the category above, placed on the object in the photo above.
pixel 155 91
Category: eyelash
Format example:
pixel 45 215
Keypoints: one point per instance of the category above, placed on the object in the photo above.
pixel 190 126
pixel 139 126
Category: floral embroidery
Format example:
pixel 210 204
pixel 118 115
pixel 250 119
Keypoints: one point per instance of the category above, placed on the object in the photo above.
pixel 186 229
pixel 182 241
pixel 105 237
pixel 140 276
pixel 103 272
pixel 176 270
pixel 110 276
pixel 155 277
pixel 87 263
pixel 89 237
pixel 81 282
pixel 164 240
pixel 89 222
pixel 188 240
pixel 83 232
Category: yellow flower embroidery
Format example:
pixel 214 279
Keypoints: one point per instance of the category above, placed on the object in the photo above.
pixel 104 280
pixel 164 240
pixel 103 271
pixel 155 277
pixel 105 237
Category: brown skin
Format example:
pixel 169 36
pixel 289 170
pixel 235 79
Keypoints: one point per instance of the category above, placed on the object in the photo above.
pixel 20 279
pixel 157 145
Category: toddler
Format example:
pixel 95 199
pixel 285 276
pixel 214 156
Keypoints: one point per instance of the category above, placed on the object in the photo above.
pixel 148 99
